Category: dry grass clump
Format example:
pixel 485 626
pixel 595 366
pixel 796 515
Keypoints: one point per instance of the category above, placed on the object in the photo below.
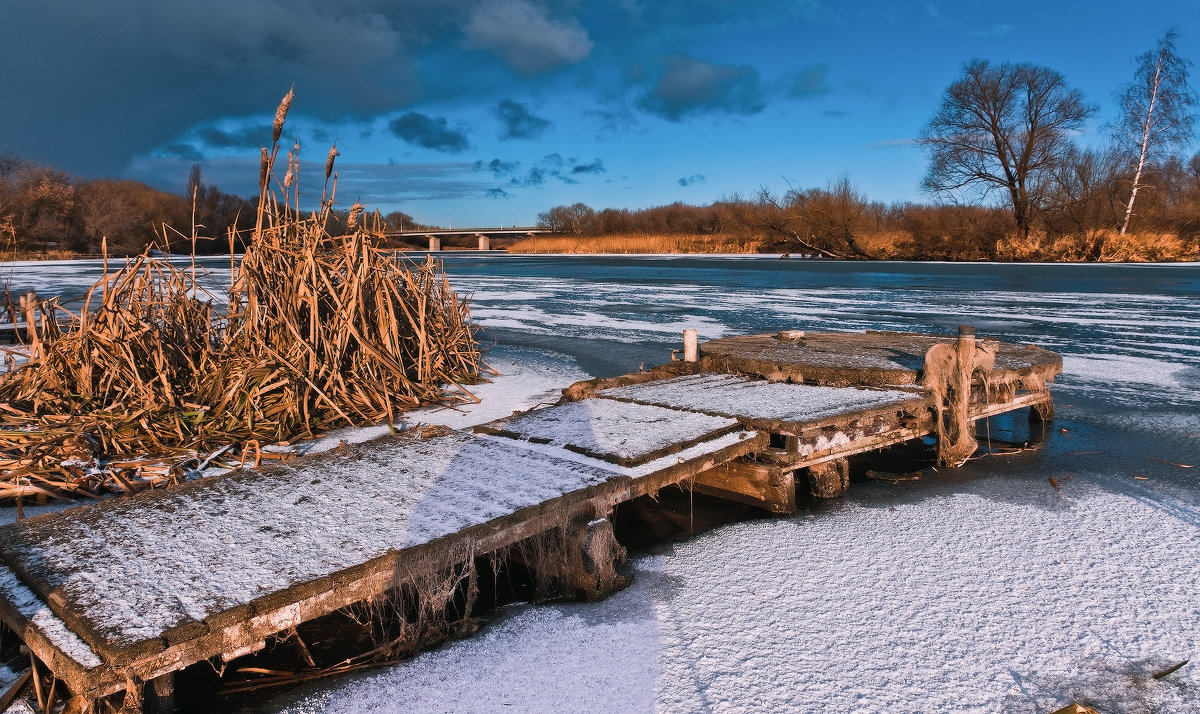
pixel 1106 246
pixel 636 243
pixel 319 331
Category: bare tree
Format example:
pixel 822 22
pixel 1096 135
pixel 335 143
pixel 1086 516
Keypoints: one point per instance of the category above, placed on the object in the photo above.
pixel 1157 112
pixel 1004 127
pixel 577 219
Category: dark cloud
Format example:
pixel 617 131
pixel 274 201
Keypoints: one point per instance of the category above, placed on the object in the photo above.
pixel 383 186
pixel 429 132
pixel 595 166
pixel 689 86
pixel 496 193
pixel 535 177
pixel 139 75
pixel 718 16
pixel 525 36
pixel 809 83
pixel 499 168
pixel 614 121
pixel 181 151
pixel 835 113
pixel 131 80
pixel 692 180
pixel 518 122
pixel 249 137
pixel 553 166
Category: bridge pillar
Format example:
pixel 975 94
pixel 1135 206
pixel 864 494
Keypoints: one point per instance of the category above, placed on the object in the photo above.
pixel 435 243
pixel 485 243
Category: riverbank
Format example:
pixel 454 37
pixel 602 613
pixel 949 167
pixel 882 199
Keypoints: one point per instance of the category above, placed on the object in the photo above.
pixel 1095 247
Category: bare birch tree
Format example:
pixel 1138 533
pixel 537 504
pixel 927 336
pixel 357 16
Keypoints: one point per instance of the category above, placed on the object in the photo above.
pixel 1156 112
pixel 1005 127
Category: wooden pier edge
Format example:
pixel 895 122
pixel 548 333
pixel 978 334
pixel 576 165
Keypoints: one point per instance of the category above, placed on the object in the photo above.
pixel 244 628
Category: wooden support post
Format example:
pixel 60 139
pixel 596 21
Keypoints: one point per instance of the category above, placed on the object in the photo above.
pixel 1041 412
pixel 161 699
pixel 829 479
pixel 691 346
pixel 29 306
pixel 435 243
pixel 750 482
pixel 485 243
pixel 948 373
pixel 595 575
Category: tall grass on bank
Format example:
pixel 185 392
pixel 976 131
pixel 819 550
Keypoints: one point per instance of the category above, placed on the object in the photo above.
pixel 1095 246
pixel 1106 246
pixel 319 331
pixel 636 243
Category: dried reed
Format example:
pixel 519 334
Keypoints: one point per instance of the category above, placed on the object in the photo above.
pixel 320 331
pixel 636 243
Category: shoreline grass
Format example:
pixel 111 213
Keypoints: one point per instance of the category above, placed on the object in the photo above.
pixel 637 243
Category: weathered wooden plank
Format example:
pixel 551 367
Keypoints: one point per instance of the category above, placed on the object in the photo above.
pixel 744 481
pixel 623 433
pixel 1031 399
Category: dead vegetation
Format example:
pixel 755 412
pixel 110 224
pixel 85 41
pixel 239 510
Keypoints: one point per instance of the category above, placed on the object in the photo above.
pixel 637 243
pixel 317 331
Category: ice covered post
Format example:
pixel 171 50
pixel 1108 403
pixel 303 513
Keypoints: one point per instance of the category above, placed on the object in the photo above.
pixel 949 369
pixel 691 346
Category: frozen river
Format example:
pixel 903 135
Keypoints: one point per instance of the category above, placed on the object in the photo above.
pixel 984 590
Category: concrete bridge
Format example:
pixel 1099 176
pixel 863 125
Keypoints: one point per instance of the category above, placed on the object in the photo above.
pixel 484 235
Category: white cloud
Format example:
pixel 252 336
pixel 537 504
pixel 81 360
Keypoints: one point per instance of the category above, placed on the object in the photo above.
pixel 525 36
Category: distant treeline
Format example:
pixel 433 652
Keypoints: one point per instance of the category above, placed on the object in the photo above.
pixel 44 210
pixel 1081 220
pixel 47 212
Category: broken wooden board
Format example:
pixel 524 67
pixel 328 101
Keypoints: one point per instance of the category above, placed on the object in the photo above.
pixel 860 358
pixel 146 585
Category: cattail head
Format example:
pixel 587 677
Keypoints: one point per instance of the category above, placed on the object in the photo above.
pixel 291 174
pixel 333 153
pixel 281 113
pixel 264 165
pixel 355 211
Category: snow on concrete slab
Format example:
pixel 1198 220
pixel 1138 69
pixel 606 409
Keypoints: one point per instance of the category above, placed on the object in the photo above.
pixel 137 566
pixel 621 432
pixel 759 399
pixel 35 612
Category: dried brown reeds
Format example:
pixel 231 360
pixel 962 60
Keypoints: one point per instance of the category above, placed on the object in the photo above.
pixel 1105 246
pixel 320 331
pixel 636 243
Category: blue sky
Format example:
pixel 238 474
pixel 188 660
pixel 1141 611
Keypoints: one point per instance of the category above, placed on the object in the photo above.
pixel 479 112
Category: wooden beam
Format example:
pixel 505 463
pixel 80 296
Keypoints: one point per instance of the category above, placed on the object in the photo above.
pixel 829 479
pixel 746 481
